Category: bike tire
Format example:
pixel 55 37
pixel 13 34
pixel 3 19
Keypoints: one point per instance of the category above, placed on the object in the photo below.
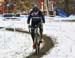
pixel 37 45
pixel 37 49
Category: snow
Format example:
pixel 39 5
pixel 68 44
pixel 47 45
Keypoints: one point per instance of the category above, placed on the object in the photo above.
pixel 19 45
pixel 63 32
pixel 72 16
pixel 23 17
pixel 14 44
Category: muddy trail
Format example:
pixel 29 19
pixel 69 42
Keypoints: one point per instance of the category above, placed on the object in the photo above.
pixel 48 44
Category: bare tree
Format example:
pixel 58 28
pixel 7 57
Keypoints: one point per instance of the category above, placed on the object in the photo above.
pixel 46 5
pixel 66 5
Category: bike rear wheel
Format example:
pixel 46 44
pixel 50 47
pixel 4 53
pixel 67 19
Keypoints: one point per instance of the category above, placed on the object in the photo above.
pixel 37 42
pixel 37 48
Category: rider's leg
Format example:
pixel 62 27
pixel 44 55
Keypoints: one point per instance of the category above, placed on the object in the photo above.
pixel 32 33
pixel 41 30
pixel 33 36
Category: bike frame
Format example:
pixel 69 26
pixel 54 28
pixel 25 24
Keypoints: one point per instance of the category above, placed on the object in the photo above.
pixel 37 39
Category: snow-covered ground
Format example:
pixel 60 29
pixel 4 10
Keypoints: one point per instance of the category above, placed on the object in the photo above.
pixel 15 45
pixel 64 34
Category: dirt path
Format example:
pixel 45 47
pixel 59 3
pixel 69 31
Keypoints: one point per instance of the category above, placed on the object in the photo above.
pixel 48 44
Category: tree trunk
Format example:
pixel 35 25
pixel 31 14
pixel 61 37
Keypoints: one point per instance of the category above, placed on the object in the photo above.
pixel 46 5
pixel 66 5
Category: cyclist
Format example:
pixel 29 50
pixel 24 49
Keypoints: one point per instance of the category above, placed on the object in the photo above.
pixel 37 18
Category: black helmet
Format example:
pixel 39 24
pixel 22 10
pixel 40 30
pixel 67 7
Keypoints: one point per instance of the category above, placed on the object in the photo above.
pixel 35 8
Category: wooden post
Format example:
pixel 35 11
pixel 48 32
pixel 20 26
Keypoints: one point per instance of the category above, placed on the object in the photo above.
pixel 53 6
pixel 42 5
pixel 3 8
pixel 2 5
pixel 46 5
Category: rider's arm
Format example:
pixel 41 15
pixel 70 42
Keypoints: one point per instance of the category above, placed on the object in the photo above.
pixel 29 17
pixel 28 20
pixel 43 18
pixel 42 15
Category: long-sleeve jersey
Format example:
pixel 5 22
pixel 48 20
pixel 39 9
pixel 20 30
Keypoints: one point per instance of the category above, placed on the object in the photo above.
pixel 31 16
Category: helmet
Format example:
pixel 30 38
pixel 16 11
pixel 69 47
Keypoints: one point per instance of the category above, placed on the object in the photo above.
pixel 35 8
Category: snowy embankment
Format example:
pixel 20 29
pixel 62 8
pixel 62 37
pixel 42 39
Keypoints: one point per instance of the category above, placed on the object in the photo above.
pixel 61 32
pixel 14 44
pixel 64 35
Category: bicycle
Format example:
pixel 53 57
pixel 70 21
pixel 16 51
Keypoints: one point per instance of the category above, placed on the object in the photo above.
pixel 36 39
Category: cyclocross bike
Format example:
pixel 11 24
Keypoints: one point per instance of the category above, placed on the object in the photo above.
pixel 37 38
